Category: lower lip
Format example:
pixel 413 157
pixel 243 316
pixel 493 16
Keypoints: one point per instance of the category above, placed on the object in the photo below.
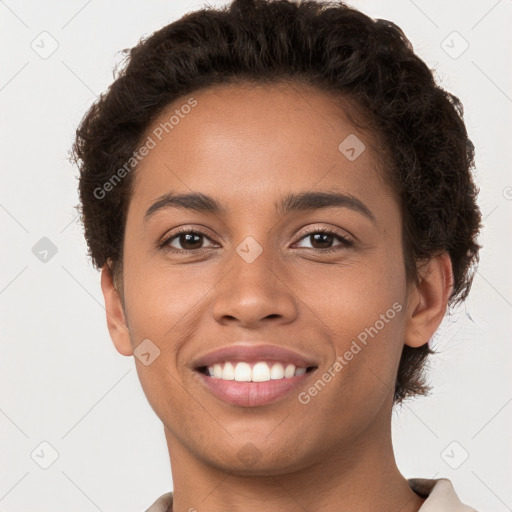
pixel 252 394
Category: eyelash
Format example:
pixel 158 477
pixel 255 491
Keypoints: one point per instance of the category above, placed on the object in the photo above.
pixel 164 244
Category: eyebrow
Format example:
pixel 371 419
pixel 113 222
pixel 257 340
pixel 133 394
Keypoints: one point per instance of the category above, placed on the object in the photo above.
pixel 303 201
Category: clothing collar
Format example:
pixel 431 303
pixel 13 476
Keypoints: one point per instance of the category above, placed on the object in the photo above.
pixel 440 496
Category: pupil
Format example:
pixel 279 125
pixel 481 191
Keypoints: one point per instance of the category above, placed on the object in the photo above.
pixel 189 239
pixel 319 236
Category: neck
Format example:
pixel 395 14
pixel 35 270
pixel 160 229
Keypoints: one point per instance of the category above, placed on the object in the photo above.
pixel 359 475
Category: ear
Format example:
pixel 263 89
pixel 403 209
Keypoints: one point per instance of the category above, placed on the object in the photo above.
pixel 428 300
pixel 116 321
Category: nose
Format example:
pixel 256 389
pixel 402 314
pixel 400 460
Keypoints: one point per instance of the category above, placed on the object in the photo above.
pixel 253 293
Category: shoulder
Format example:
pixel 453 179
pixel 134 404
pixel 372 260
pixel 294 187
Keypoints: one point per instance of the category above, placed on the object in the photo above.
pixel 162 504
pixel 440 494
pixel 440 497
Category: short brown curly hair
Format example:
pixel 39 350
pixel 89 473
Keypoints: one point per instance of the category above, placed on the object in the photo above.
pixel 335 48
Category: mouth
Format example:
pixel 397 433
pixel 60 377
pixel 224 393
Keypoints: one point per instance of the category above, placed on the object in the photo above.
pixel 261 371
pixel 248 375
pixel 245 390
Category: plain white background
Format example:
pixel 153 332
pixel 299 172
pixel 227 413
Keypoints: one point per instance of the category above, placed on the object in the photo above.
pixel 61 380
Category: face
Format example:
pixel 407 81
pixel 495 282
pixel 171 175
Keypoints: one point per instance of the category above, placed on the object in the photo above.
pixel 323 278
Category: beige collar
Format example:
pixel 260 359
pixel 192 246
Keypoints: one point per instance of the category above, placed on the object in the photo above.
pixel 440 496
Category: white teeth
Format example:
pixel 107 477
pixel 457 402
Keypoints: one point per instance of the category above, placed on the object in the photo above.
pixel 217 370
pixel 260 372
pixel 290 371
pixel 228 373
pixel 242 372
pixel 277 371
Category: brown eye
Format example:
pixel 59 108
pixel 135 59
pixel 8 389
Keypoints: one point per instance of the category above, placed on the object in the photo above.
pixel 190 241
pixel 324 239
pixel 185 241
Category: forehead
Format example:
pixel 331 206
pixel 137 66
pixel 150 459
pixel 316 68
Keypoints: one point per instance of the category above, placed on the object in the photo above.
pixel 243 140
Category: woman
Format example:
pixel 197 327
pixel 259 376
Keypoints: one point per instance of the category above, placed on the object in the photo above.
pixel 280 200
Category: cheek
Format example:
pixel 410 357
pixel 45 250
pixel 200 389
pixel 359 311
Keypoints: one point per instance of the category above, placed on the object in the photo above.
pixel 164 309
pixel 362 308
pixel 164 303
pixel 351 296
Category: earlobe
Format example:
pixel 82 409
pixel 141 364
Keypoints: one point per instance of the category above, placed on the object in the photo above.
pixel 116 321
pixel 428 300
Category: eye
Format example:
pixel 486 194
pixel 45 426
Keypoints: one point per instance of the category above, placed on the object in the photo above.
pixel 187 241
pixel 322 239
pixel 190 241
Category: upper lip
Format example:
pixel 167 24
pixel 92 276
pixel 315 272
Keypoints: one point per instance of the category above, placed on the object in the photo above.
pixel 253 354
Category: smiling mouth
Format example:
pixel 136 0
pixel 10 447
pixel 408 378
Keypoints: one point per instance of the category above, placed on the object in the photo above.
pixel 260 371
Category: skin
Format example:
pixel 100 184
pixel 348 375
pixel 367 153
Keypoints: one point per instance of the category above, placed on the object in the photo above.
pixel 247 147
